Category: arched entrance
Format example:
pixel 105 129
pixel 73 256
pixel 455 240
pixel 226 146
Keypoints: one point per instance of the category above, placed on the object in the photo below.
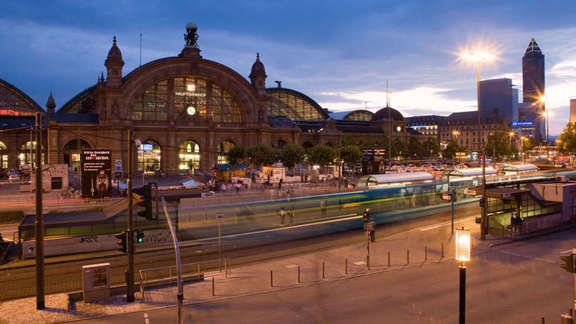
pixel 223 149
pixel 72 151
pixel 188 157
pixel 149 156
pixel 3 156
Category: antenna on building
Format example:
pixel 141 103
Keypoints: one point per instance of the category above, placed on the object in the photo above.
pixel 387 95
pixel 140 61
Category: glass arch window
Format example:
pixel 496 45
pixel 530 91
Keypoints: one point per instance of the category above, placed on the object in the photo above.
pixel 152 104
pixel 189 98
pixel 223 149
pixel 364 115
pixel 294 105
pixel 3 156
pixel 189 157
pixel 149 157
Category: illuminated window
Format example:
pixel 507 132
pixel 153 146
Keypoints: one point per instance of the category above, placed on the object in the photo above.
pixel 189 156
pixel 26 156
pixel 224 148
pixel 152 104
pixel 149 156
pixel 193 99
pixel 3 156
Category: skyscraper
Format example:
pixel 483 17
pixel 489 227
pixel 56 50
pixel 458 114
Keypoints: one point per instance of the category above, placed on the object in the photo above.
pixel 498 98
pixel 533 85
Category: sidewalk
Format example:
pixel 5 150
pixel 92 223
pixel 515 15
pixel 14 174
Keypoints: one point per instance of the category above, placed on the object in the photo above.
pixel 414 248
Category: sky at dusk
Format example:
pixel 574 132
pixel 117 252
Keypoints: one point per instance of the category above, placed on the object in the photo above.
pixel 340 53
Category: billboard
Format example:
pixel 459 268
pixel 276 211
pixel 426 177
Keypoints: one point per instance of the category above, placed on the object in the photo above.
pixel 96 165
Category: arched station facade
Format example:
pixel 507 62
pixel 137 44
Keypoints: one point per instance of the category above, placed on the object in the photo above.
pixel 186 112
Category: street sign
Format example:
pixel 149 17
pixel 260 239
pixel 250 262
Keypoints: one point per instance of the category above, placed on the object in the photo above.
pixel 446 196
pixel 118 166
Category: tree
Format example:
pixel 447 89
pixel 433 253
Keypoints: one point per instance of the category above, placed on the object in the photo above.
pixel 397 148
pixel 236 154
pixel 291 155
pixel 451 149
pixel 567 140
pixel 261 154
pixel 498 145
pixel 351 154
pixel 321 155
pixel 430 148
pixel 413 149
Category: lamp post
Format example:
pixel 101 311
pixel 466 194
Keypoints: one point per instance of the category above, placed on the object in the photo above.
pixel 462 256
pixel 477 57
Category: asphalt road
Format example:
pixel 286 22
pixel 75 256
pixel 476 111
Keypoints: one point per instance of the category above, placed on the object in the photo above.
pixel 518 283
pixel 63 277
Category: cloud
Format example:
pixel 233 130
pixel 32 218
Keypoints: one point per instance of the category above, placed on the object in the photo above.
pixel 432 100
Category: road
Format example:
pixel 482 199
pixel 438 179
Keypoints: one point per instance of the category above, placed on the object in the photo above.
pixel 66 276
pixel 518 283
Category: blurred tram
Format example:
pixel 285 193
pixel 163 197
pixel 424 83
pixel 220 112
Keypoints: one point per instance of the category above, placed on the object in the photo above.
pixel 383 194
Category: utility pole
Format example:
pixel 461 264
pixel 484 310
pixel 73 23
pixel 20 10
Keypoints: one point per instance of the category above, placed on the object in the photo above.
pixel 38 221
pixel 130 236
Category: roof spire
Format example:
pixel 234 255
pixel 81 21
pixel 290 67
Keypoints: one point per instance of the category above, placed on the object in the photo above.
pixel 387 95
pixel 533 47
pixel 51 104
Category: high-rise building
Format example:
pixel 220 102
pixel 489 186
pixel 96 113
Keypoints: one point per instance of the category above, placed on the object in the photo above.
pixel 533 85
pixel 498 98
pixel 573 110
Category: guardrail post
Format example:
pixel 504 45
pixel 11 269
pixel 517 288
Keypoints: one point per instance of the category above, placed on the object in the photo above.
pixel 442 249
pixel 346 265
pixel 271 279
pixel 407 256
pixel 299 276
pixel 226 268
pixel 213 288
pixel 389 263
pixel 425 253
pixel 323 270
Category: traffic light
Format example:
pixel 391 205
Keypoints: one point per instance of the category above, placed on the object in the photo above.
pixel 121 241
pixel 568 263
pixel 139 236
pixel 145 201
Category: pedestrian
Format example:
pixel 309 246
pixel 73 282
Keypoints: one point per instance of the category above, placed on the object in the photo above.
pixel 282 213
pixel 280 184
pixel 291 216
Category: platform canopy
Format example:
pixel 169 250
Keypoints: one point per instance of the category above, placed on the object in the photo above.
pixel 519 168
pixel 470 172
pixel 378 179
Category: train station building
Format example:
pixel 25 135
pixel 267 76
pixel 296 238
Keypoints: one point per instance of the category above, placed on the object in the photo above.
pixel 187 111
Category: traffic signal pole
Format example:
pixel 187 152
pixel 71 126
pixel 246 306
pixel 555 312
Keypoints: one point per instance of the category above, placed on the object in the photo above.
pixel 39 221
pixel 130 236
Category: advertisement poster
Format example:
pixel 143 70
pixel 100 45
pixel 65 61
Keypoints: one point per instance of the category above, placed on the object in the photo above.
pixel 96 173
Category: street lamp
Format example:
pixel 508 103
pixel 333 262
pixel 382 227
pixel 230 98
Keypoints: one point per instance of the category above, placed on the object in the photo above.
pixel 477 57
pixel 462 256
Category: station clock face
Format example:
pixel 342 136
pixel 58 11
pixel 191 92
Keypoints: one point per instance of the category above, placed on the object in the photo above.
pixel 190 110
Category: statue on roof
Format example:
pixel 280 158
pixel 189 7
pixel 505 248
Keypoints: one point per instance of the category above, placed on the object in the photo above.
pixel 191 37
